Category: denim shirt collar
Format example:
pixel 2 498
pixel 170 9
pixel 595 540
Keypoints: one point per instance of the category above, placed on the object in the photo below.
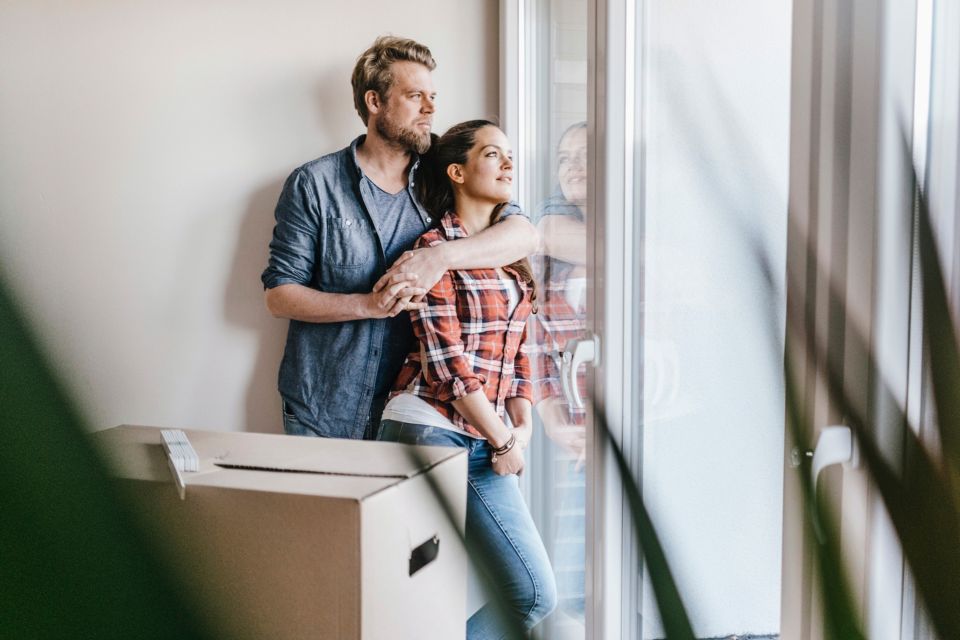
pixel 361 175
pixel 364 182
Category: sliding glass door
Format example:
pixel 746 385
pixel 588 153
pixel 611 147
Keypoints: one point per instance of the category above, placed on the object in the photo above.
pixel 652 139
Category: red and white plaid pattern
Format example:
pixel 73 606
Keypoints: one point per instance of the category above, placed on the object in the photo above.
pixel 467 340
pixel 556 323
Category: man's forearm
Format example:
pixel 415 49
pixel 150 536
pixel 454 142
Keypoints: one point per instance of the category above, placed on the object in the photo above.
pixel 297 302
pixel 564 238
pixel 498 245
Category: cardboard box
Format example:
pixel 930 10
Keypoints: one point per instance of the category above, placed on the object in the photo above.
pixel 292 537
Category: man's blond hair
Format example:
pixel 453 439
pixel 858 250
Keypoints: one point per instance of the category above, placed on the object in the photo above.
pixel 372 71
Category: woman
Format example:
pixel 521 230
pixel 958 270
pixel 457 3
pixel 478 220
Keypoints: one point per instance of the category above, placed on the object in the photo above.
pixel 468 383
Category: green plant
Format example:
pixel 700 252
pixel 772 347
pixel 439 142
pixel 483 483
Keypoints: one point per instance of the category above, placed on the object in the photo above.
pixel 74 564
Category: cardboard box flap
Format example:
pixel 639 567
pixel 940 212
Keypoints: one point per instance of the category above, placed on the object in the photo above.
pixel 346 468
pixel 336 457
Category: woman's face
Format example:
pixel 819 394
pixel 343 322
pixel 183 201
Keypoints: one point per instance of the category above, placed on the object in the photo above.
pixel 572 166
pixel 488 171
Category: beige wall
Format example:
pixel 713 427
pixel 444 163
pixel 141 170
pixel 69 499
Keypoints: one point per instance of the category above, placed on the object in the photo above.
pixel 142 148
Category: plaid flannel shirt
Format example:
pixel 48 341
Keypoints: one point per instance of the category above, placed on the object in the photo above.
pixel 557 322
pixel 467 341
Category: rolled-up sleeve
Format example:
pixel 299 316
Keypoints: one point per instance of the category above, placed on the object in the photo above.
pixel 511 209
pixel 437 327
pixel 293 249
pixel 520 386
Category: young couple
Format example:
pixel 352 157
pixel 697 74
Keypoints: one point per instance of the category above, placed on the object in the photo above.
pixel 421 345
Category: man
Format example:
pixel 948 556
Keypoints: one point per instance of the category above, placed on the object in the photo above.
pixel 341 221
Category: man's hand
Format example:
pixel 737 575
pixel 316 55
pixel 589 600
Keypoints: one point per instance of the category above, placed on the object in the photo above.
pixel 426 266
pixel 392 294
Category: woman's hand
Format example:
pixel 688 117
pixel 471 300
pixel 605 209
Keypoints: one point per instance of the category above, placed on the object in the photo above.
pixel 510 462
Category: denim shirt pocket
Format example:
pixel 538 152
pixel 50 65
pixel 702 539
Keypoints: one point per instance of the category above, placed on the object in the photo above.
pixel 348 243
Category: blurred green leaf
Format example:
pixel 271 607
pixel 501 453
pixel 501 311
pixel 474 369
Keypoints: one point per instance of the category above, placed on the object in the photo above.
pixel 942 349
pixel 512 624
pixel 74 564
pixel 840 619
pixel 673 613
pixel 924 500
pixel 919 500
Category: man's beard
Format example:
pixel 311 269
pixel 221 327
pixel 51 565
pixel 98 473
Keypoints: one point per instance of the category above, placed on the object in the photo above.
pixel 402 136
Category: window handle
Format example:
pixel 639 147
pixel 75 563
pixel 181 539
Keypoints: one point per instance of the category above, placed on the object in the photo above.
pixel 835 445
pixel 578 351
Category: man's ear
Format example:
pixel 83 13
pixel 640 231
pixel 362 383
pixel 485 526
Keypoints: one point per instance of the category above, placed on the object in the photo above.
pixel 455 172
pixel 373 101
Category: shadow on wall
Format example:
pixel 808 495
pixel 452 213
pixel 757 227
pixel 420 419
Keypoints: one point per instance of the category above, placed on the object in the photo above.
pixel 243 298
pixel 244 307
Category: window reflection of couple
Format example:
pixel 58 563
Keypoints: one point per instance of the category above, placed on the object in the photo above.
pixel 562 317
pixel 561 275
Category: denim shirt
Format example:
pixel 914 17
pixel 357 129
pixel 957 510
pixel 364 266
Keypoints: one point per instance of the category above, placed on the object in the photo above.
pixel 325 238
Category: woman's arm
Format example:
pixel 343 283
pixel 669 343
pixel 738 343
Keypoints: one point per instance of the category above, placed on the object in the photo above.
pixel 479 412
pixel 520 411
pixel 519 402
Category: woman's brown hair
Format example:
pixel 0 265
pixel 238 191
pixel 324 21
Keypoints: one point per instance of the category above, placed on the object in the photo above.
pixel 436 193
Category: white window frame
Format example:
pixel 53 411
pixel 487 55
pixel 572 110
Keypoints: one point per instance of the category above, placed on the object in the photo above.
pixel 612 570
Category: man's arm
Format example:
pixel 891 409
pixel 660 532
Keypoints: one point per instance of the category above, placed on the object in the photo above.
pixel 293 250
pixel 564 238
pixel 299 302
pixel 512 238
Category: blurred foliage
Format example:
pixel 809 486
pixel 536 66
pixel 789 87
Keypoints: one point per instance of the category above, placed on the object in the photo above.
pixel 73 564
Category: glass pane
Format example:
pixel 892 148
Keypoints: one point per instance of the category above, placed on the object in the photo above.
pixel 715 95
pixel 559 193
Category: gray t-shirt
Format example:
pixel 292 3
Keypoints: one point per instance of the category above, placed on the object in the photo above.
pixel 398 225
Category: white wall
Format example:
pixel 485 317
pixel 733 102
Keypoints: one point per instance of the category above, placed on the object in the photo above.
pixel 142 149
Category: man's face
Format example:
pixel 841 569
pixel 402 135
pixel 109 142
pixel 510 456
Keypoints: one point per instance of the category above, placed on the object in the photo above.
pixel 406 115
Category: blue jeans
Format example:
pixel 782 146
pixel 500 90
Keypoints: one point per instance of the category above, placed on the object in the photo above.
pixel 501 535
